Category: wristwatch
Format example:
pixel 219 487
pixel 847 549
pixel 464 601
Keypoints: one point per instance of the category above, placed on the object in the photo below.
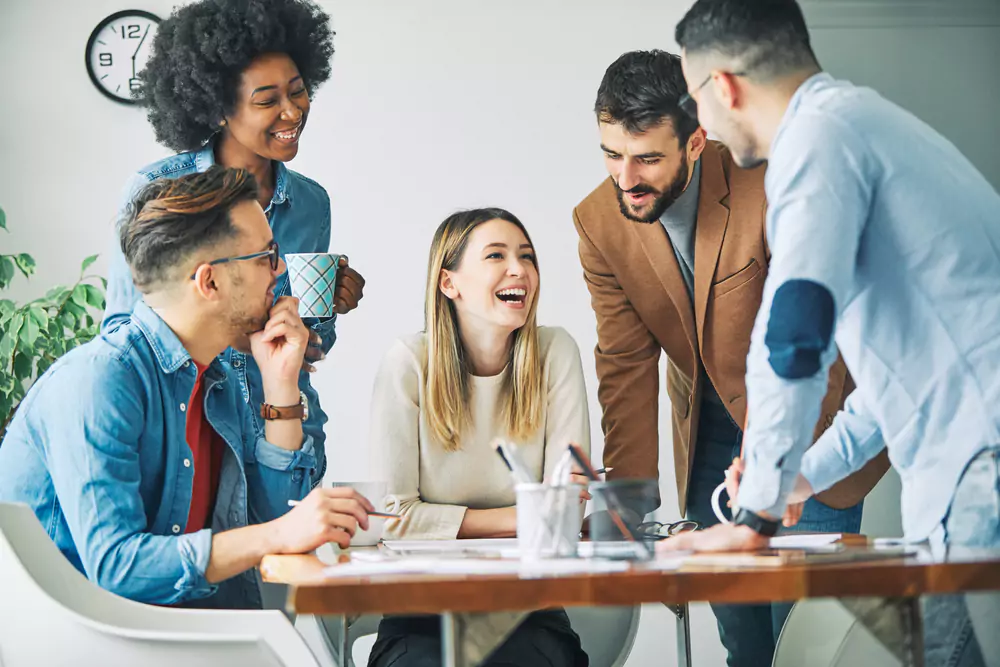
pixel 765 527
pixel 273 412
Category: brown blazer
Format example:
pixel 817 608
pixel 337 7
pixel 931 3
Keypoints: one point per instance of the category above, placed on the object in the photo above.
pixel 642 306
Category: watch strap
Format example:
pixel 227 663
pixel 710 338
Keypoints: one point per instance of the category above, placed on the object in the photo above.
pixel 275 412
pixel 765 527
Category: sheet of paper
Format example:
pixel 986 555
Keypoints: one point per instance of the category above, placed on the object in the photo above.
pixel 473 566
pixel 805 541
pixel 452 546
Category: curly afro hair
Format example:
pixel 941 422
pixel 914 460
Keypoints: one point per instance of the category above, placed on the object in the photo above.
pixel 190 80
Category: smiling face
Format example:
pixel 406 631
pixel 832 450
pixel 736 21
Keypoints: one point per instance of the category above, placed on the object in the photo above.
pixel 496 281
pixel 650 170
pixel 272 105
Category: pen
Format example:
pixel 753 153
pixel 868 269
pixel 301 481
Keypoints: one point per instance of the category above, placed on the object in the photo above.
pixel 384 515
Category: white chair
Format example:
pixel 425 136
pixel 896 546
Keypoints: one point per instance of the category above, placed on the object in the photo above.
pixel 822 633
pixel 606 633
pixel 52 615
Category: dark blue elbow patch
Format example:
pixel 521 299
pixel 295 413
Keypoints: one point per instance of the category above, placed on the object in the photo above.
pixel 799 328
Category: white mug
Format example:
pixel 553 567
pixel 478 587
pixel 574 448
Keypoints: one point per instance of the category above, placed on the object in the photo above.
pixel 377 494
pixel 716 496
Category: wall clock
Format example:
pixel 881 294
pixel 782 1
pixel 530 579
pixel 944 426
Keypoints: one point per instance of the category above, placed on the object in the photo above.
pixel 117 51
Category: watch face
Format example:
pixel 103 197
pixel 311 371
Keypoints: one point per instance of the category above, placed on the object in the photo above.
pixel 117 51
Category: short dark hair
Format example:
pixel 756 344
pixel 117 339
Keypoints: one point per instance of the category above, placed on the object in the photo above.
pixel 769 37
pixel 641 89
pixel 199 53
pixel 170 219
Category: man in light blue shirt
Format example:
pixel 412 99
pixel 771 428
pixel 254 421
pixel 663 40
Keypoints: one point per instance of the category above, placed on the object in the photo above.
pixel 137 452
pixel 885 243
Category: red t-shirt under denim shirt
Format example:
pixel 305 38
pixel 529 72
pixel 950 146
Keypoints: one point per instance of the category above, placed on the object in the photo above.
pixel 207 448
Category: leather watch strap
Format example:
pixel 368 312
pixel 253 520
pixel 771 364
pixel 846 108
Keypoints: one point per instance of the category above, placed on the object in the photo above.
pixel 274 412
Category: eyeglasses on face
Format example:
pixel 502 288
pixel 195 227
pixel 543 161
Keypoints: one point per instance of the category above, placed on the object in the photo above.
pixel 272 253
pixel 687 103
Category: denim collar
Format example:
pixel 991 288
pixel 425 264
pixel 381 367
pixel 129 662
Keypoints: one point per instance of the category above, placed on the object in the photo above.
pixel 170 352
pixel 205 158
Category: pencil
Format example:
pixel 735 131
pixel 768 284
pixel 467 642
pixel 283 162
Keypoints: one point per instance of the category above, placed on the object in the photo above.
pixel 384 515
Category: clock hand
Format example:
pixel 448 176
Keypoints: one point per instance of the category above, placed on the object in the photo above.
pixel 137 49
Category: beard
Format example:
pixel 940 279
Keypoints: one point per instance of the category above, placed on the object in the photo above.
pixel 662 199
pixel 248 316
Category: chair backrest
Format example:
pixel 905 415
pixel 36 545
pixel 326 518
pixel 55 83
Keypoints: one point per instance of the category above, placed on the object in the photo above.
pixel 606 633
pixel 51 614
pixel 822 633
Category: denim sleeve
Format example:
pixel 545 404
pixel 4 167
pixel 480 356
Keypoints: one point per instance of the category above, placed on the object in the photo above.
pixel 313 428
pixel 326 328
pixel 122 294
pixel 92 450
pixel 819 191
pixel 276 475
pixel 852 440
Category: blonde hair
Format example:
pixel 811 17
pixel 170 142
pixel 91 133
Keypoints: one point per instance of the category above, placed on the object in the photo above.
pixel 448 388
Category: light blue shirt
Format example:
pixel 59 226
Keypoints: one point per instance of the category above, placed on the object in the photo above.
pixel 299 215
pixel 98 449
pixel 874 213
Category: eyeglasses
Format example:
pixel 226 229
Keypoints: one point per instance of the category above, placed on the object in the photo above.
pixel 655 530
pixel 687 103
pixel 271 253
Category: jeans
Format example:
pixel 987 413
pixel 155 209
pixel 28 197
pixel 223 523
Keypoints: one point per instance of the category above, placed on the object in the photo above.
pixel 964 630
pixel 750 631
pixel 543 639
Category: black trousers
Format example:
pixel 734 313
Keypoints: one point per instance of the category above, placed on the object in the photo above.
pixel 543 639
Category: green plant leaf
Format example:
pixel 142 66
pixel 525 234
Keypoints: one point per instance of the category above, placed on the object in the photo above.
pixel 40 317
pixel 7 309
pixel 7 347
pixel 7 384
pixel 104 283
pixel 29 332
pixel 57 293
pixel 94 297
pixel 87 262
pixel 3 225
pixel 26 263
pixel 79 296
pixel 22 366
pixel 6 270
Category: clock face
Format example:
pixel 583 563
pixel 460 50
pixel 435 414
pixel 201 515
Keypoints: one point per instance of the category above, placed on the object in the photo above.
pixel 117 51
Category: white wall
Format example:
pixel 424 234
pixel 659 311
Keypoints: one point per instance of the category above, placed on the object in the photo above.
pixel 435 106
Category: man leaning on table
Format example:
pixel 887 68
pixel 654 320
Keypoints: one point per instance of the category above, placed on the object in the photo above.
pixel 674 255
pixel 885 244
pixel 136 450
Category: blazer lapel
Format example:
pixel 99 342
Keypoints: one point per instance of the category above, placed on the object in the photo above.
pixel 713 218
pixel 660 253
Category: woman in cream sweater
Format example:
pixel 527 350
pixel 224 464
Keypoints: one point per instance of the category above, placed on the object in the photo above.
pixel 482 370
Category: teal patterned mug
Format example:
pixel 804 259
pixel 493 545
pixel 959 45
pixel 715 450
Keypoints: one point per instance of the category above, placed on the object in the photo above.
pixel 312 277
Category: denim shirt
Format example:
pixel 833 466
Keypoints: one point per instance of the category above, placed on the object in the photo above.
pixel 98 450
pixel 299 215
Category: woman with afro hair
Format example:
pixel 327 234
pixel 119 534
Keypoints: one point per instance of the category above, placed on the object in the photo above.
pixel 229 82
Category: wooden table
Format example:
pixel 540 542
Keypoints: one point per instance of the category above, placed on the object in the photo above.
pixel 896 582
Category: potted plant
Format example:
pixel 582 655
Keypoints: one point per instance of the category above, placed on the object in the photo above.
pixel 34 334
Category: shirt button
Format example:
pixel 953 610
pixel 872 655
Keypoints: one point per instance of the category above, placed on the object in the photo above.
pixel 187 463
pixel 187 364
pixel 176 529
pixel 237 363
pixel 183 407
